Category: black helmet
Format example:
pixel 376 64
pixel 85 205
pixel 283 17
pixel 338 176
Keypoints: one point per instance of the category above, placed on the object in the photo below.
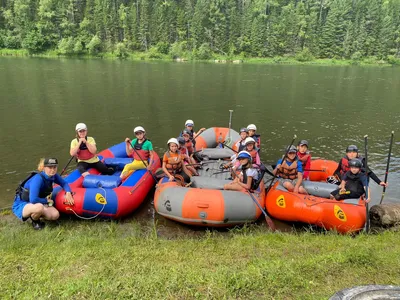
pixel 303 142
pixel 244 129
pixel 352 148
pixel 291 149
pixel 355 163
pixel 185 131
pixel 181 140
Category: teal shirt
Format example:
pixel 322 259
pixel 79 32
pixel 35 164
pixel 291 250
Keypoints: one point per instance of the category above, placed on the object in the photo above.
pixel 147 145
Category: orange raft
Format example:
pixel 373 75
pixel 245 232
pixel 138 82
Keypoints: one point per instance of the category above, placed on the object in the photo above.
pixel 321 169
pixel 343 216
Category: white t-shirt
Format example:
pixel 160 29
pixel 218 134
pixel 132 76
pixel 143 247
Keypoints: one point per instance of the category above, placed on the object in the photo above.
pixel 251 172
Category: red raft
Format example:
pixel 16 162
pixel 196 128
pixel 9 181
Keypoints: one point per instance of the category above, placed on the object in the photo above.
pixel 106 196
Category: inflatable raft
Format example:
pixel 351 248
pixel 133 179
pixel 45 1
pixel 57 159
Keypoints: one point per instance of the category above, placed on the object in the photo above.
pixel 204 202
pixel 105 195
pixel 343 216
pixel 214 136
pixel 321 169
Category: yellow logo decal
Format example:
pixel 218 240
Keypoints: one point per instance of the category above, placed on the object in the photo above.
pixel 339 213
pixel 280 201
pixel 100 199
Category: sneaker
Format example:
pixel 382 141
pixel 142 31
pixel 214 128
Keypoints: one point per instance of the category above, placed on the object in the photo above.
pixel 38 225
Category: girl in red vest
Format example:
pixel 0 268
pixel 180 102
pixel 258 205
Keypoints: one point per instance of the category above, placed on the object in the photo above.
pixel 305 157
pixel 84 148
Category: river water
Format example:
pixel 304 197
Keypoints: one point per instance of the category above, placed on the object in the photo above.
pixel 331 106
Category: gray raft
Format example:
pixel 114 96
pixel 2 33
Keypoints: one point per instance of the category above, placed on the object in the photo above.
pixel 234 207
pixel 368 292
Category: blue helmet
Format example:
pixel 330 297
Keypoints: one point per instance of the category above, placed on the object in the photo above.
pixel 244 154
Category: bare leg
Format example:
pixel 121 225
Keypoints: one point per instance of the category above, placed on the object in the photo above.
pixel 51 213
pixel 302 190
pixel 85 174
pixel 35 211
pixel 288 186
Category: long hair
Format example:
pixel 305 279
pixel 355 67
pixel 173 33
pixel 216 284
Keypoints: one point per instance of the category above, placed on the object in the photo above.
pixel 40 166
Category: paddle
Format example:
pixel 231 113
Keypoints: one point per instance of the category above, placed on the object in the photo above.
pixel 230 124
pixel 66 166
pixel 267 217
pixel 287 151
pixel 151 173
pixel 366 226
pixel 387 166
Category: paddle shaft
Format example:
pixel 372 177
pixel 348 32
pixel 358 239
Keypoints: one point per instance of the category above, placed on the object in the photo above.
pixel 66 166
pixel 366 226
pixel 230 123
pixel 267 217
pixel 151 173
pixel 387 166
pixel 284 157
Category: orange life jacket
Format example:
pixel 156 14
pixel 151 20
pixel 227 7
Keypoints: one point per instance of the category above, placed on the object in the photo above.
pixel 288 172
pixel 139 153
pixel 253 154
pixel 83 152
pixel 174 164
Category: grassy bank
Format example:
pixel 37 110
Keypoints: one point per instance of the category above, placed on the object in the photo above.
pixel 99 260
pixel 215 59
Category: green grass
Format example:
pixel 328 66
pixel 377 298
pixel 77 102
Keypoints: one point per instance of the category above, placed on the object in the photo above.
pixel 97 260
pixel 147 56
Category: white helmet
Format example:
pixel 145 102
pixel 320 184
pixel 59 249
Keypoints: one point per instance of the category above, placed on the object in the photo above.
pixel 80 126
pixel 138 128
pixel 173 140
pixel 188 122
pixel 249 140
pixel 252 127
pixel 244 154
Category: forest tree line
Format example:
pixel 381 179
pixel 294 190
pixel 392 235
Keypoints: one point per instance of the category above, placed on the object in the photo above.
pixel 351 29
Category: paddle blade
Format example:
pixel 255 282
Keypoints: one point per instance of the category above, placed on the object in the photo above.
pixel 270 223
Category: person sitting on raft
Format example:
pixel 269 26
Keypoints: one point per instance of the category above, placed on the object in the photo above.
pixel 187 159
pixel 241 143
pixel 141 149
pixel 290 172
pixel 252 133
pixel 189 145
pixel 173 162
pixel 354 183
pixel 33 195
pixel 84 148
pixel 247 177
pixel 305 157
pixel 250 148
pixel 189 126
pixel 343 167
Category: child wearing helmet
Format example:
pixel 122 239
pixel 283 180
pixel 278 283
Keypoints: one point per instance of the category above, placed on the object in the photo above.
pixel 187 159
pixel 354 183
pixel 173 162
pixel 250 148
pixel 189 126
pixel 247 177
pixel 240 144
pixel 188 142
pixel 252 133
pixel 305 157
pixel 343 167
pixel 84 148
pixel 141 149
pixel 289 170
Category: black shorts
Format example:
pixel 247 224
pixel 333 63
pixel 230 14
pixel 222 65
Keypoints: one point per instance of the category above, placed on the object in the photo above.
pixel 352 195
pixel 99 166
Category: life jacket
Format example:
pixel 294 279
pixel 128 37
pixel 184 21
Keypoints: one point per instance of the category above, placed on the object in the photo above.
pixel 303 158
pixel 189 146
pixel 183 150
pixel 174 164
pixel 84 153
pixel 191 136
pixel 241 146
pixel 254 183
pixel 257 139
pixel 354 184
pixel 253 154
pixel 139 153
pixel 288 172
pixel 23 192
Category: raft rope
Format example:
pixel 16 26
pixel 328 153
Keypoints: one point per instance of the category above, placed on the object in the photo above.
pixel 93 217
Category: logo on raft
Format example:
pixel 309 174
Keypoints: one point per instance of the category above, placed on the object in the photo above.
pixel 100 199
pixel 280 201
pixel 339 213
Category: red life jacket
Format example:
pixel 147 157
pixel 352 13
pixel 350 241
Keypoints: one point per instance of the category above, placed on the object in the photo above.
pixel 138 153
pixel 288 172
pixel 303 157
pixel 253 154
pixel 83 152
pixel 344 163
pixel 189 146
